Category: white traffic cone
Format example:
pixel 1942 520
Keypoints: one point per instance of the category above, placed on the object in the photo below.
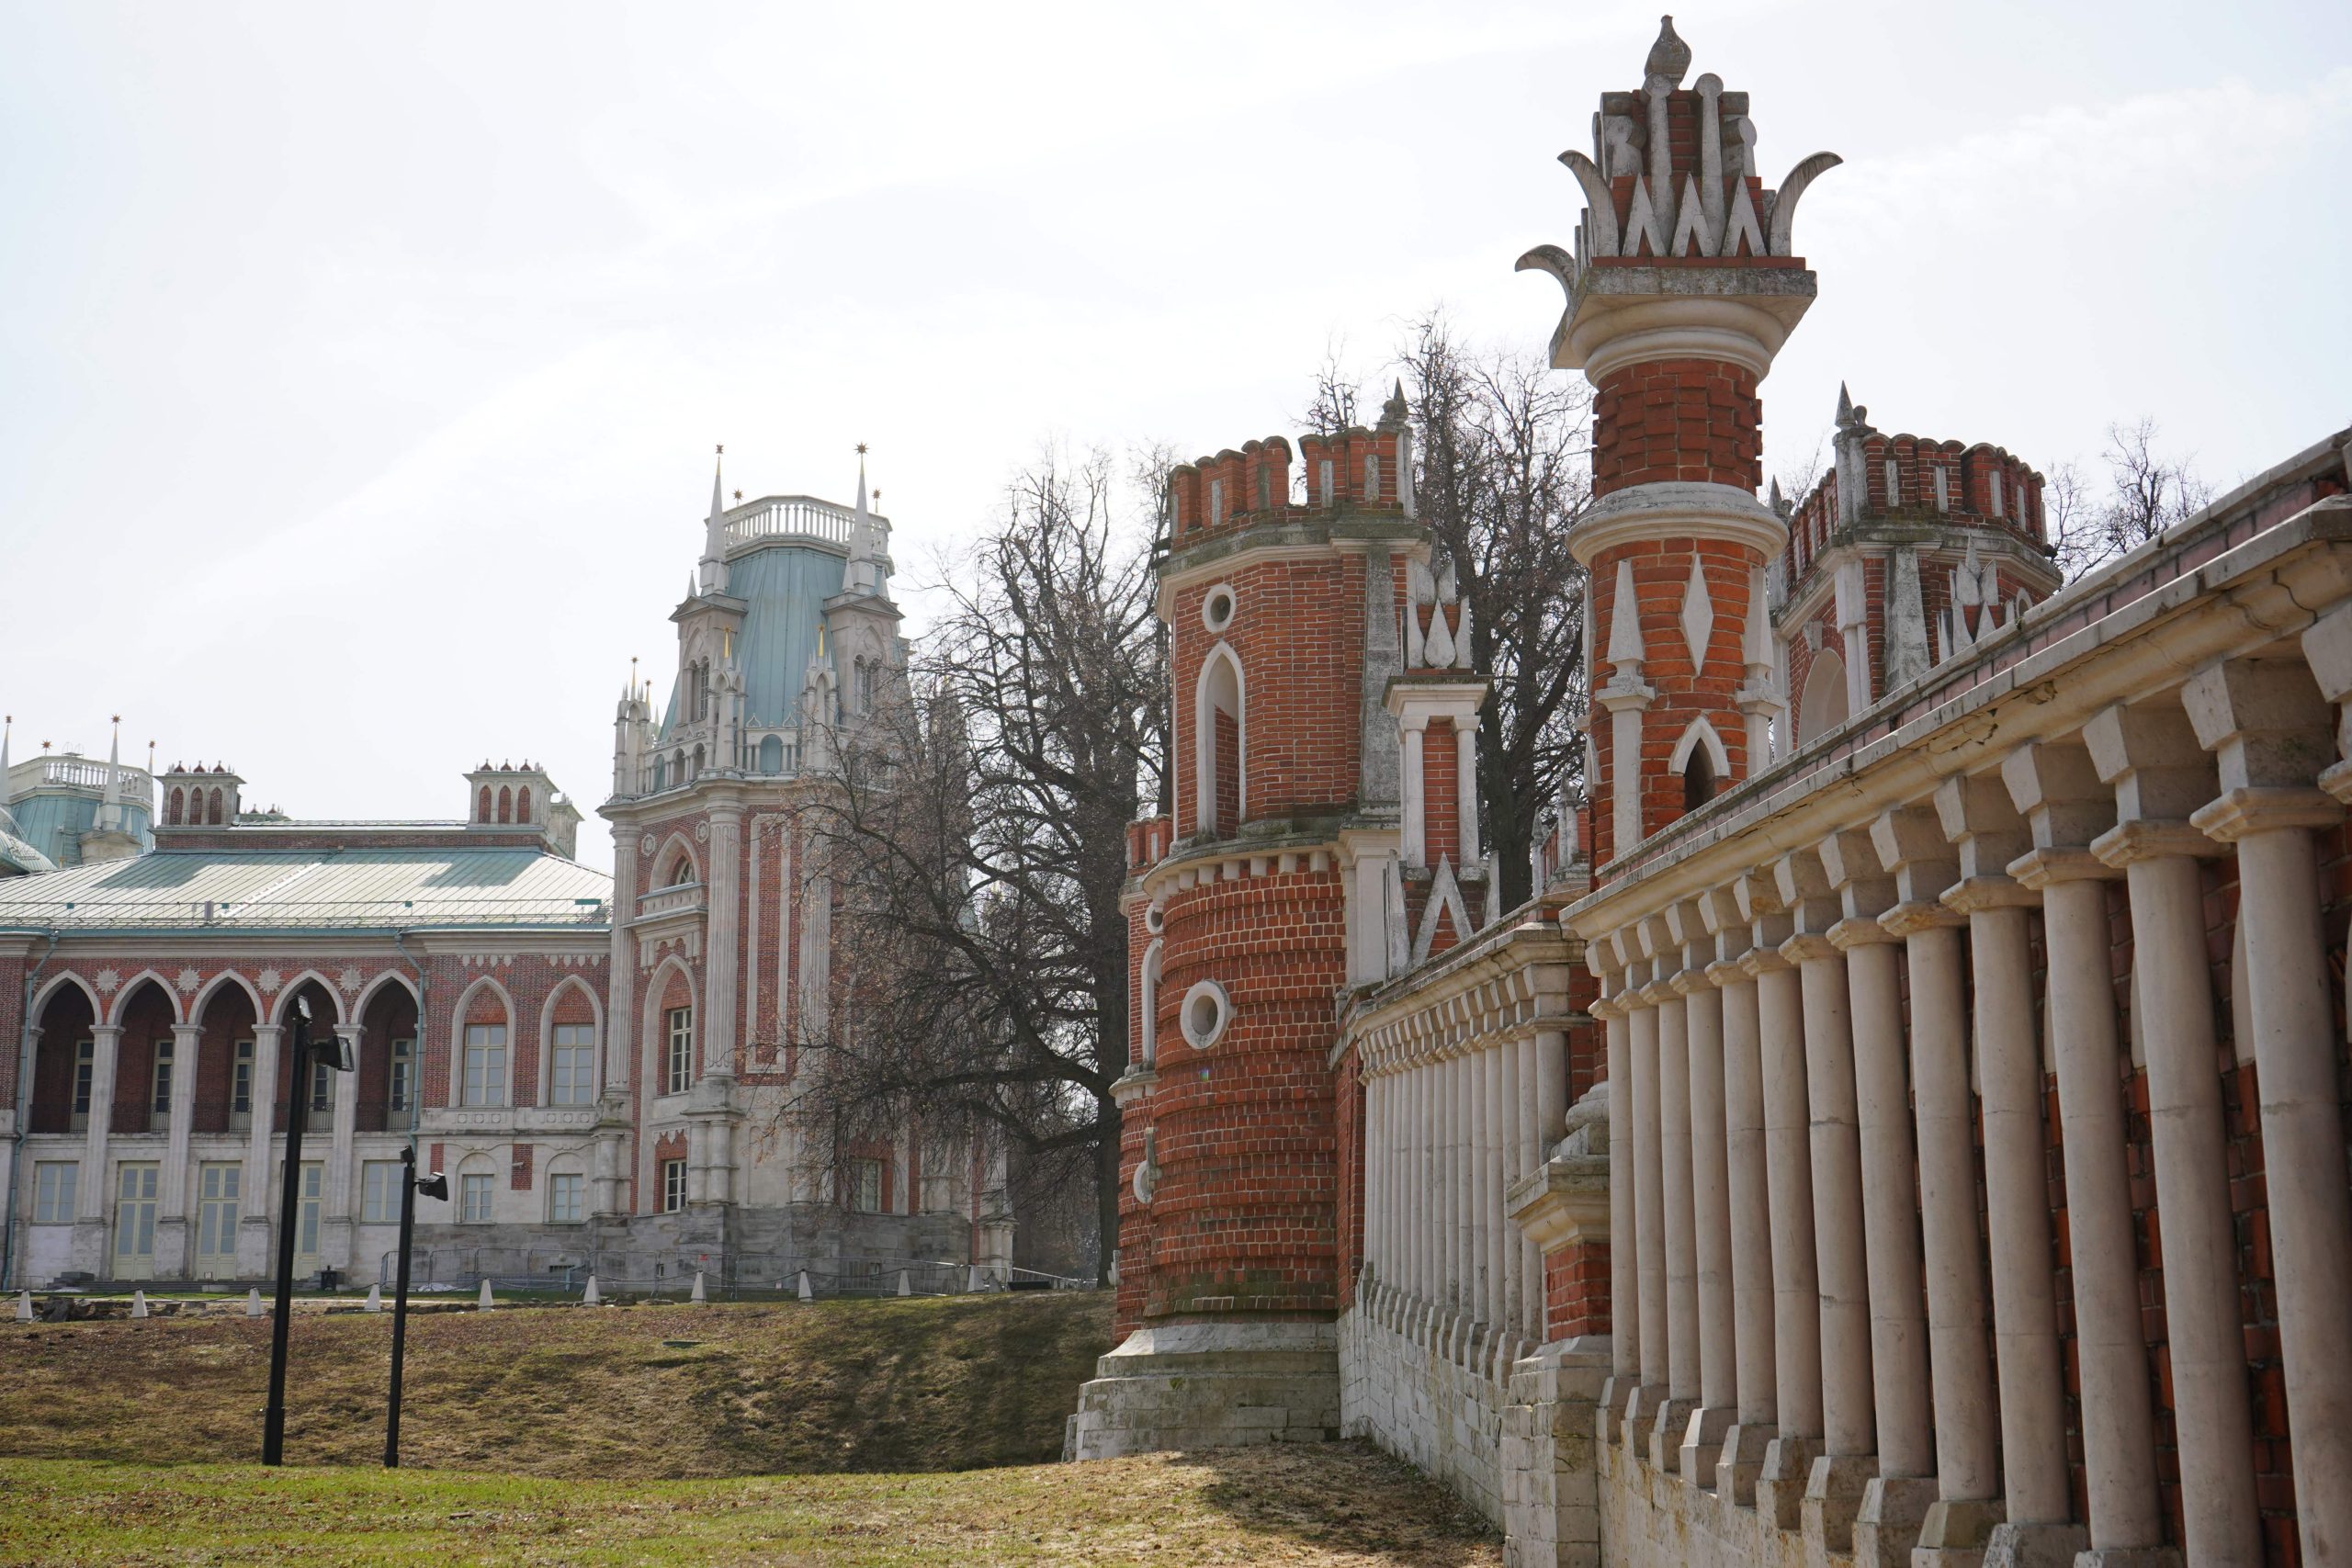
pixel 253 1302
pixel 375 1298
pixel 591 1296
pixel 700 1297
pixel 806 1294
pixel 905 1289
pixel 24 1306
pixel 138 1304
pixel 486 1304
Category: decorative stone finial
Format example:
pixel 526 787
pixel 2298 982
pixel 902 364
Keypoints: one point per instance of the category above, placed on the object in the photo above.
pixel 1395 409
pixel 1845 406
pixel 1669 56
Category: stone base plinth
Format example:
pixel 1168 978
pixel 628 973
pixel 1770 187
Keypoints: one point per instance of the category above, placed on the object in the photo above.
pixel 1741 1461
pixel 1955 1531
pixel 1202 1385
pixel 1894 1508
pixel 1702 1441
pixel 1833 1500
pixel 1780 1484
pixel 2035 1546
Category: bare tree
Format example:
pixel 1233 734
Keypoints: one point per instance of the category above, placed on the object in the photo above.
pixel 977 836
pixel 2148 493
pixel 1503 477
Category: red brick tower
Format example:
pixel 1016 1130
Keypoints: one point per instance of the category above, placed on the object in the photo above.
pixel 1681 289
pixel 1277 885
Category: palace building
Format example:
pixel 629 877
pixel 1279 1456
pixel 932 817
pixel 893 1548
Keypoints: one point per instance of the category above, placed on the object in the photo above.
pixel 599 1064
pixel 1908 1125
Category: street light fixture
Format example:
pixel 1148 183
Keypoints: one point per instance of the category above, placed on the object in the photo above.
pixel 433 1186
pixel 336 1050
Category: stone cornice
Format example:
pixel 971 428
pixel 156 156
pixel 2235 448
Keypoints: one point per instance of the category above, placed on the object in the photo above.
pixel 1728 971
pixel 1989 892
pixel 1684 509
pixel 1565 1203
pixel 2043 869
pixel 2128 843
pixel 1860 931
pixel 2242 812
pixel 1806 946
pixel 1758 962
pixel 1909 920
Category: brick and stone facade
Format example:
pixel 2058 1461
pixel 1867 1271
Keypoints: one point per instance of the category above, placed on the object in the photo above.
pixel 1907 1126
pixel 598 1064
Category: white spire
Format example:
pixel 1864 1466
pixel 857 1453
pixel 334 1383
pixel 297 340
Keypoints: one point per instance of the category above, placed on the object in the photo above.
pixel 7 727
pixel 867 557
pixel 713 571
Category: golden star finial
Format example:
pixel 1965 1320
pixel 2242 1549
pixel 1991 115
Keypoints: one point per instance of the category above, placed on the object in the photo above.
pixel 861 448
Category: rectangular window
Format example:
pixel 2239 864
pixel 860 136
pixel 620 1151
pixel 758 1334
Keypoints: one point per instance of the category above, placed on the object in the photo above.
pixel 473 1194
pixel 485 1081
pixel 161 1101
pixel 85 1064
pixel 240 1081
pixel 866 1185
pixel 315 1191
pixel 673 1186
pixel 134 1212
pixel 53 1188
pixel 572 1080
pixel 678 1075
pixel 565 1195
pixel 379 1192
pixel 401 1099
pixel 215 1209
pixel 323 1076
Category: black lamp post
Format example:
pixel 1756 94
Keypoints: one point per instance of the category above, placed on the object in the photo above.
pixel 433 1186
pixel 297 1102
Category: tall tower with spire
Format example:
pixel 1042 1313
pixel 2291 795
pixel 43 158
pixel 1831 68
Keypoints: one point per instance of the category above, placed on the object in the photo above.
pixel 1682 285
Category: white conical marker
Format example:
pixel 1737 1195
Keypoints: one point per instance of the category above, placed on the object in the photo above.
pixel 24 1306
pixel 138 1304
pixel 904 1287
pixel 979 1277
pixel 375 1298
pixel 486 1304
pixel 253 1302
pixel 806 1294
pixel 591 1296
pixel 701 1297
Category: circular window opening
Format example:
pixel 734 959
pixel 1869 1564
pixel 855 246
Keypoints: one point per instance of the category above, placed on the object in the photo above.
pixel 1216 608
pixel 1155 919
pixel 1208 1009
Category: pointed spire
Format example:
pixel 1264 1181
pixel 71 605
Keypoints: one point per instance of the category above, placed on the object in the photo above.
pixel 712 574
pixel 1845 406
pixel 861 479
pixel 1777 505
pixel 1396 411
pixel 111 798
pixel 8 729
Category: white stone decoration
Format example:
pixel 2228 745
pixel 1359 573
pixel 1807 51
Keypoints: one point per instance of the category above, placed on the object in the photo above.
pixel 1698 616
pixel 645 844
pixel 1205 1015
pixel 1218 607
pixel 109 982
pixel 348 980
pixel 269 980
pixel 186 980
pixel 702 832
pixel 1624 619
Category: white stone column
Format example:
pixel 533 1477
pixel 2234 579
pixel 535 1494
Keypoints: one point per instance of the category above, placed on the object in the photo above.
pixel 1466 789
pixel 1748 1217
pixel 1376 1177
pixel 2066 806
pixel 258 1203
pixel 1650 1209
pixel 1626 698
pixel 1484 1203
pixel 1552 1045
pixel 1625 1276
pixel 1979 817
pixel 2259 721
pixel 1681 1245
pixel 1492 1179
pixel 1414 844
pixel 1702 1434
pixel 95 1191
pixel 2160 775
pixel 1467 1252
pixel 1848 1410
pixel 1797 1292
pixel 174 1254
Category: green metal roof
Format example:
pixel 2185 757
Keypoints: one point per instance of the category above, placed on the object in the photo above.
pixel 311 890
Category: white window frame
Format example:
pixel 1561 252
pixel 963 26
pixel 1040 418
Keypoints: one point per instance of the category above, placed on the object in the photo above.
pixel 241 1085
pixel 485 1087
pixel 474 1198
pixel 678 1049
pixel 56 1185
pixel 85 1070
pixel 571 1065
pixel 379 1192
pixel 673 1186
pixel 322 1087
pixel 400 1083
pixel 159 1078
pixel 866 1185
pixel 567 1197
pixel 138 1188
pixel 219 1209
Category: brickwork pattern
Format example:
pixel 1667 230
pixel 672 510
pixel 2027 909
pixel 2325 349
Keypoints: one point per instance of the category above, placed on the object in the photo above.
pixel 1693 421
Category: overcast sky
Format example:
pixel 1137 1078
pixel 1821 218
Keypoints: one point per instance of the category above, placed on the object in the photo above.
pixel 360 365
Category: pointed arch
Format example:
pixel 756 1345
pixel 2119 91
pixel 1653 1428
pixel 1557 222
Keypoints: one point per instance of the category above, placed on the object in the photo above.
pixel 1220 710
pixel 63 980
pixel 281 1005
pixel 459 1017
pixel 649 1032
pixel 505 804
pixel 131 987
pixel 480 983
pixel 212 810
pixel 1701 762
pixel 173 807
pixel 481 805
pixel 675 848
pixel 523 803
pixel 548 1011
pixel 1823 705
pixel 228 979
pixel 392 978
pixel 1148 989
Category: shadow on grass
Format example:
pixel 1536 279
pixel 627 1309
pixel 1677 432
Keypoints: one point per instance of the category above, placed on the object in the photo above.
pixel 1345 1497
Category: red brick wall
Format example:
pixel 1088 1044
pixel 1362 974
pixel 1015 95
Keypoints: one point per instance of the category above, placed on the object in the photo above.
pixel 1689 419
pixel 1347 1083
pixel 1576 1291
pixel 1442 785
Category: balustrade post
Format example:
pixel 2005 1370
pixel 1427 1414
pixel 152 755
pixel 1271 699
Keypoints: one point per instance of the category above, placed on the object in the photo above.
pixel 1748 1208
pixel 1796 1291
pixel 1665 1437
pixel 1702 1434
pixel 1649 1221
pixel 2266 724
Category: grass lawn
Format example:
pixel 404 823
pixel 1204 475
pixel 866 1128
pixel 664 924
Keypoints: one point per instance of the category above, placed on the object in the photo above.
pixel 638 1393
pixel 1305 1505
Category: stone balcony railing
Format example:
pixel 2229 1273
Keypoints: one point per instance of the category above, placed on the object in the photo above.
pixel 684 898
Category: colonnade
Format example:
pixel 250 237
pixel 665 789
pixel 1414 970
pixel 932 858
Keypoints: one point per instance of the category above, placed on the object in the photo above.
pixel 1831 1302
pixel 1449 1126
